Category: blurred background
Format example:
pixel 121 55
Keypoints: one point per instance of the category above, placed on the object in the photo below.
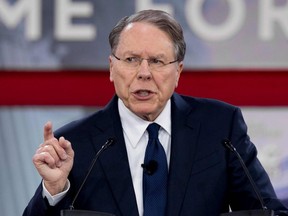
pixel 54 66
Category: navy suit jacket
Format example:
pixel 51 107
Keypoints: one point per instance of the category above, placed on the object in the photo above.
pixel 204 177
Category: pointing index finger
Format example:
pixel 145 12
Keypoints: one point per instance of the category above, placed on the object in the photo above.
pixel 48 131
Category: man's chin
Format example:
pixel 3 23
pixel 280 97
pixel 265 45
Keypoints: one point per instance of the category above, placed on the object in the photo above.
pixel 147 113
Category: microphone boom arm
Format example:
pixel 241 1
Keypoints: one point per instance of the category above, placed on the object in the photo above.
pixel 227 143
pixel 108 143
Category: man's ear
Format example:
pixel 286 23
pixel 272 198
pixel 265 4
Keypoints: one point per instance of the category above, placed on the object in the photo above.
pixel 111 68
pixel 179 71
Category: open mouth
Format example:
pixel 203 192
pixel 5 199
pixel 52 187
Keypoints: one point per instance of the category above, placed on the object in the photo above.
pixel 143 93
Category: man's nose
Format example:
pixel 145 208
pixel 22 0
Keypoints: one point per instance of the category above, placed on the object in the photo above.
pixel 144 70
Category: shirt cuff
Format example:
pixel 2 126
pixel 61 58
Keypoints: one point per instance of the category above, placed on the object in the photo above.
pixel 53 200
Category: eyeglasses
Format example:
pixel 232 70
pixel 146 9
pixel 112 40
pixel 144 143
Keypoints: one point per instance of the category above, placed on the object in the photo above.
pixel 134 62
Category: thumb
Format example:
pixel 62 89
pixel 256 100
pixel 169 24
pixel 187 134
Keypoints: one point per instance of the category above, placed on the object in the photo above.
pixel 66 145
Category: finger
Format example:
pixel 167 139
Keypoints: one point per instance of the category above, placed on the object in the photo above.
pixel 51 151
pixel 48 131
pixel 62 148
pixel 44 158
pixel 52 141
pixel 58 149
pixel 66 145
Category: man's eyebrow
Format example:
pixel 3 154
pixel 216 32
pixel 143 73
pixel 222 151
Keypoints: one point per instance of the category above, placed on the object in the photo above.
pixel 154 56
pixel 130 53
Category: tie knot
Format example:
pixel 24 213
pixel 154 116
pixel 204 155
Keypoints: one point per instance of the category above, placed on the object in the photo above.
pixel 153 130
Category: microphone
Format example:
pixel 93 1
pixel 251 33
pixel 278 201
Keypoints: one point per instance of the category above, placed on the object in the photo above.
pixel 71 211
pixel 150 168
pixel 258 212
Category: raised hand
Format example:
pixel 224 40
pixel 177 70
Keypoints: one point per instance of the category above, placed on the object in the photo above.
pixel 54 160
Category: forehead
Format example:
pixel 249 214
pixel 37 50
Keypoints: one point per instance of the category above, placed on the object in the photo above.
pixel 145 37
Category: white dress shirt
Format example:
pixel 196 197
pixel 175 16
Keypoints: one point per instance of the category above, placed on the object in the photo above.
pixel 136 140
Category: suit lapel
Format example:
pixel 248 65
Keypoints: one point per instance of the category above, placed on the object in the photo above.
pixel 183 148
pixel 115 162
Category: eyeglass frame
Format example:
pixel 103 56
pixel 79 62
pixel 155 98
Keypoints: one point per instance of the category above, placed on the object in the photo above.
pixel 139 60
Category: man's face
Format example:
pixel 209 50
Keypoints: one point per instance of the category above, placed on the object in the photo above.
pixel 144 90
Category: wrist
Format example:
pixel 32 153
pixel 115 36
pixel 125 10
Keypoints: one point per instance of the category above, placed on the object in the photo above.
pixel 55 199
pixel 56 187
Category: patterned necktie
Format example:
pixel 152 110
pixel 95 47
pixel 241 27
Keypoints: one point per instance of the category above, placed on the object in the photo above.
pixel 155 175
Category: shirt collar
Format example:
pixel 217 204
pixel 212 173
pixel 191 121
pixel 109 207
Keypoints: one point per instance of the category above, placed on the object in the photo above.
pixel 131 122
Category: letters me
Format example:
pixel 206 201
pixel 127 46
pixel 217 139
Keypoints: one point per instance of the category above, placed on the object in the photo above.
pixel 65 10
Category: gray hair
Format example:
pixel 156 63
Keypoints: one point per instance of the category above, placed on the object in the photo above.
pixel 158 18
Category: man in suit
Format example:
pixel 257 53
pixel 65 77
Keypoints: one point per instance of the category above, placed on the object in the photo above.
pixel 203 178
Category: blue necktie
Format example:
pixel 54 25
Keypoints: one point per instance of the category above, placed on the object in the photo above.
pixel 155 175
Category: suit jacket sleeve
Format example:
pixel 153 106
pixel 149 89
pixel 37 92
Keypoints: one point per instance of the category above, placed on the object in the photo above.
pixel 242 195
pixel 40 206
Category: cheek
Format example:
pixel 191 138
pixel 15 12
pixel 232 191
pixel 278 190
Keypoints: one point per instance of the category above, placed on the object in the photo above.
pixel 167 83
pixel 122 81
pixel 116 74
